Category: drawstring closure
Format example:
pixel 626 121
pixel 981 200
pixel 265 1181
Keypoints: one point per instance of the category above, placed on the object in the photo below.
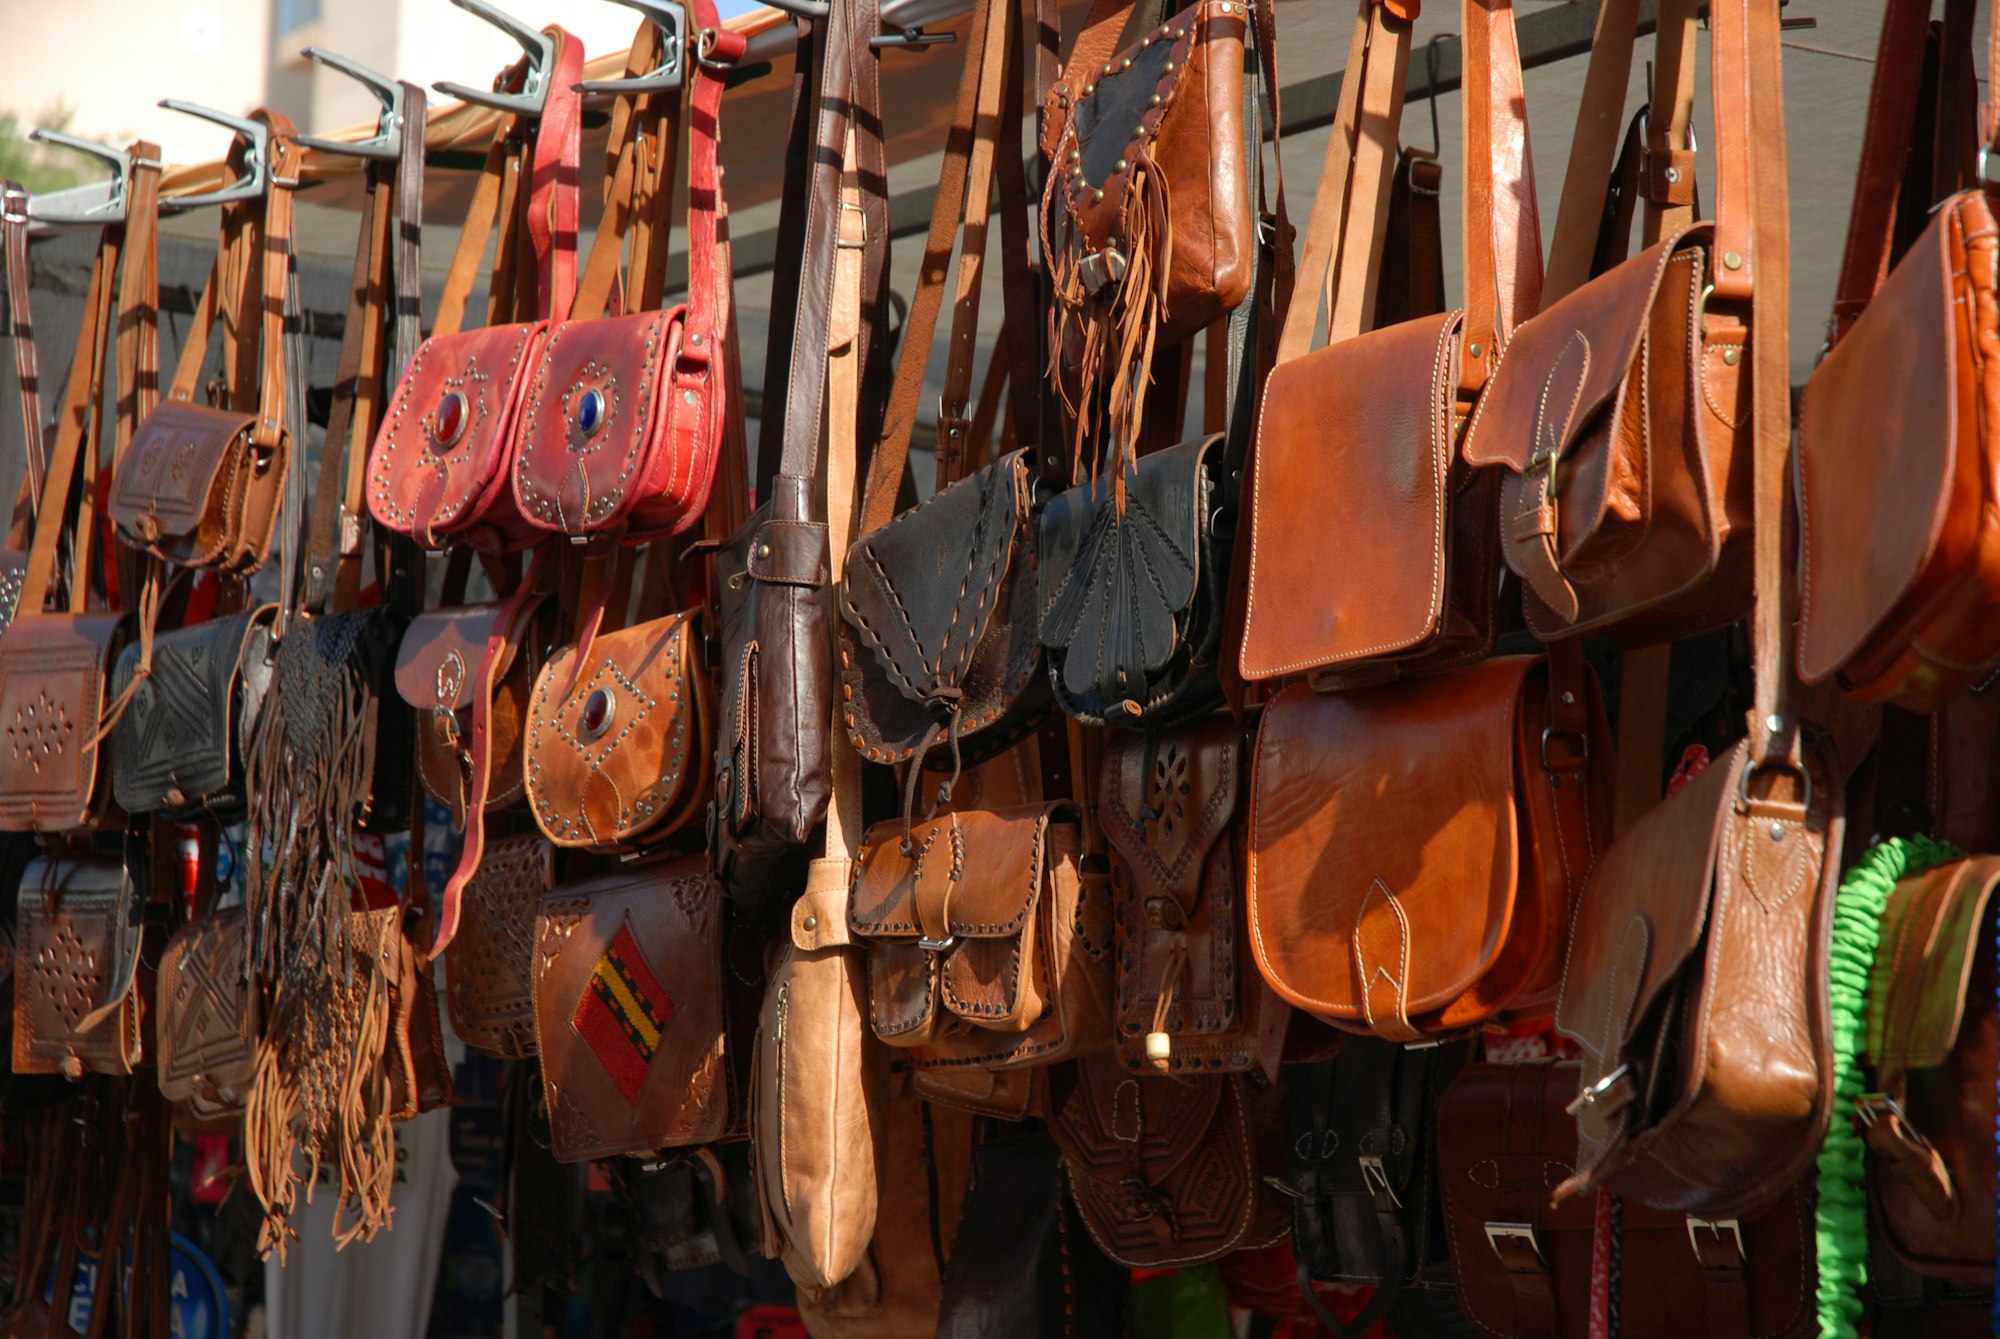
pixel 1159 1043
pixel 952 701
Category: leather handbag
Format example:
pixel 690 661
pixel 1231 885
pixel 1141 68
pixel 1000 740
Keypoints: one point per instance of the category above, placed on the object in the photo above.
pixel 1164 1169
pixel 1189 994
pixel 1932 1036
pixel 202 485
pixel 1147 218
pixel 987 946
pixel 623 419
pixel 178 746
pixel 206 1040
pixel 77 991
pixel 687 1210
pixel 441 467
pixel 614 749
pixel 1361 1166
pixel 1523 1266
pixel 629 1011
pixel 1415 849
pixel 1389 562
pixel 489 967
pixel 1897 535
pixel 1619 416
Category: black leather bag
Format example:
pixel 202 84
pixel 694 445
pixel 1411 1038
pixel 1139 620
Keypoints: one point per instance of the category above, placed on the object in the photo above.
pixel 180 744
pixel 697 1207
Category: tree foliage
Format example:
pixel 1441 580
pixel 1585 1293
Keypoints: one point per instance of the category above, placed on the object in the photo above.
pixel 41 167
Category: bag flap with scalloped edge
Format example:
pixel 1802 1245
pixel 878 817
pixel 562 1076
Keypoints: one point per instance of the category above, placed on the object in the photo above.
pixel 439 662
pixel 1933 930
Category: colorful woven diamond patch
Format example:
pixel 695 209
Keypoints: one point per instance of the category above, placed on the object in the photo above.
pixel 623 1014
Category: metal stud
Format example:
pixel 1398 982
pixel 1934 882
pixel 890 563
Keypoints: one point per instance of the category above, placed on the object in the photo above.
pixel 1732 260
pixel 1777 832
pixel 1155 101
pixel 1731 357
pixel 763 550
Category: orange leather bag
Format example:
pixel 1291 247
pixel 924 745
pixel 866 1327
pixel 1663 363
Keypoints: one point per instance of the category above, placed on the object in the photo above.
pixel 1899 469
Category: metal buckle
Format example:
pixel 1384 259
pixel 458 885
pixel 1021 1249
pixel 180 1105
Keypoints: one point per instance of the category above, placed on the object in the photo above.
pixel 1597 1092
pixel 1376 1179
pixel 1805 779
pixel 1871 1107
pixel 1716 1228
pixel 1547 731
pixel 930 945
pixel 1499 1232
pixel 860 238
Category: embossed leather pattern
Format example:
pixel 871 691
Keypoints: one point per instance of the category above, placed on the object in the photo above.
pixel 195 491
pixel 207 1034
pixel 77 998
pixel 985 944
pixel 1163 1169
pixel 441 466
pixel 629 1011
pixel 179 744
pixel 1170 807
pixel 616 752
pixel 1132 604
pixel 437 673
pixel 53 669
pixel 1413 859
pixel 489 967
pixel 939 616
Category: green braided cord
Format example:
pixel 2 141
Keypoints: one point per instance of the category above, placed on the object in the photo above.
pixel 1842 1214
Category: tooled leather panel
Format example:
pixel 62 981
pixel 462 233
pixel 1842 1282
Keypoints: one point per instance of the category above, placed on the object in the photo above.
pixel 1161 1168
pixel 176 746
pixel 207 1034
pixel 593 419
pixel 1355 570
pixel 77 951
pixel 619 752
pixel 439 462
pixel 182 480
pixel 489 965
pixel 1118 592
pixel 1382 869
pixel 52 679
pixel 629 1011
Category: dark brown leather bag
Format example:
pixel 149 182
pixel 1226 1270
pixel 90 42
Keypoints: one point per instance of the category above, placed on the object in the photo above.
pixel 1189 993
pixel 1389 561
pixel 987 946
pixel 201 485
pixel 1933 1040
pixel 1522 1265
pixel 629 1011
pixel 1896 465
pixel 1415 849
pixel 1165 1169
pixel 490 964
pixel 77 993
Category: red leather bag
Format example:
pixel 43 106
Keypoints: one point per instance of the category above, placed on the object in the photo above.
pixel 624 417
pixel 440 466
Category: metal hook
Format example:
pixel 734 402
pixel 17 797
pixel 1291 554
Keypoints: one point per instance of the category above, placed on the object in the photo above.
pixel 109 210
pixel 386 142
pixel 909 38
pixel 803 9
pixel 251 185
pixel 670 17
pixel 541 52
pixel 1431 90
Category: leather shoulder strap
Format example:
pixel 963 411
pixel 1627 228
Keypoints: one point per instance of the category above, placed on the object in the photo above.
pixel 1503 232
pixel 21 325
pixel 552 200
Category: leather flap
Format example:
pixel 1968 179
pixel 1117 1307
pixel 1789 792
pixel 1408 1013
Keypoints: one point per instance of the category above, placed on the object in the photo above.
pixel 1116 1119
pixel 1164 801
pixel 1116 583
pixel 819 917
pixel 921 591
pixel 439 662
pixel 178 740
pixel 1351 566
pixel 1933 930
pixel 1564 369
pixel 969 875
pixel 1505 1141
pixel 173 466
pixel 1384 840
pixel 1893 413
pixel 445 443
pixel 53 669
pixel 579 452
pixel 77 959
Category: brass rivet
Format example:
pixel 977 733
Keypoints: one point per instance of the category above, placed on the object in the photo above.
pixel 1777 832
pixel 1089 89
pixel 1122 165
pixel 1569 699
pixel 1732 356
pixel 1156 100
pixel 1125 64
pixel 1097 198
pixel 811 923
pixel 1732 260
pixel 763 550
pixel 1477 350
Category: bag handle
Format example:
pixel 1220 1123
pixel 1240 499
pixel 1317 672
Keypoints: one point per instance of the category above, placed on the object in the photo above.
pixel 27 362
pixel 643 142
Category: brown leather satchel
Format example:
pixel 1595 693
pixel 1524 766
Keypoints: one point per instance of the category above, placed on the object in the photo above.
pixel 987 945
pixel 1165 1169
pixel 1619 416
pixel 77 993
pixel 1189 995
pixel 489 967
pixel 1896 464
pixel 1391 560
pixel 1415 849
pixel 1933 1038
pixel 200 485
pixel 628 1011
pixel 1522 1265
pixel 206 1042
